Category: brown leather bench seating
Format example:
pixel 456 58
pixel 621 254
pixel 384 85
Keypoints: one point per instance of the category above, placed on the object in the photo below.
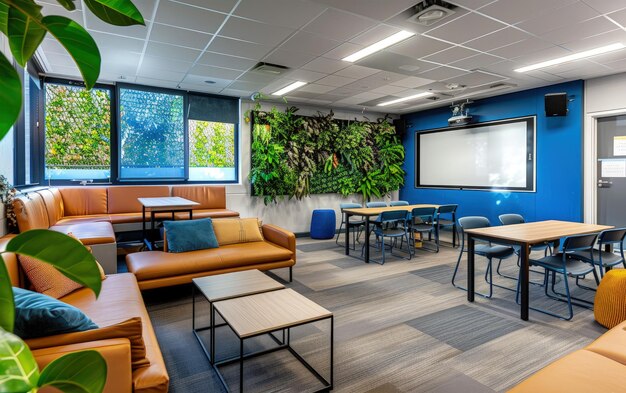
pixel 120 300
pixel 155 269
pixel 599 367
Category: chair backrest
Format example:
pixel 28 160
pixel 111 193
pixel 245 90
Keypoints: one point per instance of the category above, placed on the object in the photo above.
pixel 399 203
pixel 612 236
pixel 394 215
pixel 445 209
pixel 350 205
pixel 425 213
pixel 376 204
pixel 472 222
pixel 510 219
pixel 579 242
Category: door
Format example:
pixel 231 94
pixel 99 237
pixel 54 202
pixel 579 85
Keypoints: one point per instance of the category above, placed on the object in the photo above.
pixel 611 150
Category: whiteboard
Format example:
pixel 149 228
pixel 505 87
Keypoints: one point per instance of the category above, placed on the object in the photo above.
pixel 497 155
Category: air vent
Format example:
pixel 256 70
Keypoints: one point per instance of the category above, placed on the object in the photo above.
pixel 270 69
pixel 502 85
pixel 429 12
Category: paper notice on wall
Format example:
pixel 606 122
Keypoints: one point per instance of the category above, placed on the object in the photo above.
pixel 613 168
pixel 619 145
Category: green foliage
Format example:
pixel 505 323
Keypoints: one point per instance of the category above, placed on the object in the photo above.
pixel 320 155
pixel 18 368
pixel 78 126
pixel 10 94
pixel 212 144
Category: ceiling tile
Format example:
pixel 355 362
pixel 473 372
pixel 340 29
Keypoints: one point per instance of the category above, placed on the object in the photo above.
pixel 215 5
pixel 619 17
pixel 471 4
pixel 442 73
pixel 116 42
pixel 170 65
pixel 475 79
pixel 309 43
pixel 514 11
pixel 288 13
pixel 305 75
pixel 411 82
pixel 343 50
pixel 95 24
pixel 59 59
pixel 393 62
pixel 596 41
pixel 52 46
pixel 375 9
pixel 156 82
pixel 182 37
pixel 166 51
pixel 315 88
pixel 236 93
pixel 146 7
pixel 334 80
pixel 497 39
pixel 199 80
pixel 356 72
pixel 521 48
pixel 327 66
pixel 389 89
pixel 239 48
pixel 606 6
pixel 382 78
pixel 156 73
pixel 376 34
pixel 193 18
pixel 542 55
pixel 474 62
pixel 466 28
pixel 545 76
pixel 245 85
pixel 204 88
pixel 252 31
pixel 225 61
pixel 566 16
pixel 339 25
pixel 257 77
pixel 579 31
pixel 214 72
pixel 124 63
pixel 50 9
pixel 418 46
pixel 289 59
pixel 449 55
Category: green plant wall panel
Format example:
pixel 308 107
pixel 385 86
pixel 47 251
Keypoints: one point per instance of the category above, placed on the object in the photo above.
pixel 296 156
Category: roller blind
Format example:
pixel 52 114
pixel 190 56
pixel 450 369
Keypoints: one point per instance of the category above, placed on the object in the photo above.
pixel 214 109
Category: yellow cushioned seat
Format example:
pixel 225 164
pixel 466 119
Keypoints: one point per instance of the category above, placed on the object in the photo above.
pixel 610 301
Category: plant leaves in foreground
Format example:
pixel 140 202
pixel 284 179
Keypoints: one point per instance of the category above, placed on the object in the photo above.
pixel 18 369
pixel 116 12
pixel 10 95
pixel 7 305
pixel 77 372
pixel 25 34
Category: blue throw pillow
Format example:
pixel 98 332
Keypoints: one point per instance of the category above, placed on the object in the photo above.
pixel 190 235
pixel 38 315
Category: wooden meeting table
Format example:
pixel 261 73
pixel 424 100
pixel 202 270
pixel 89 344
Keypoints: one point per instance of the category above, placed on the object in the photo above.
pixel 368 212
pixel 162 205
pixel 523 235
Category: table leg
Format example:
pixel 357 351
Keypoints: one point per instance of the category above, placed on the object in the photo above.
pixel 470 267
pixel 524 277
pixel 332 348
pixel 347 242
pixel 367 239
pixel 212 330
pixel 191 214
pixel 240 365
pixel 143 223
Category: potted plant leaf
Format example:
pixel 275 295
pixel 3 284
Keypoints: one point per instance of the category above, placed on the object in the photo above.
pixel 25 27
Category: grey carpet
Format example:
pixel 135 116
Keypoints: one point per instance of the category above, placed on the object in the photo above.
pixel 400 327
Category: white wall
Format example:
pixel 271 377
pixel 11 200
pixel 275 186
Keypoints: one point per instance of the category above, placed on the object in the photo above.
pixel 6 145
pixel 290 214
pixel 604 96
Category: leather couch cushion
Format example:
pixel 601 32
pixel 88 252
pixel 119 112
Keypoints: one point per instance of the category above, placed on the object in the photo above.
pixel 209 197
pixel 579 372
pixel 11 263
pixel 89 233
pixel 123 199
pixel 208 213
pixel 71 220
pixel 54 204
pixel 31 212
pixel 611 344
pixel 157 264
pixel 237 230
pixel 84 201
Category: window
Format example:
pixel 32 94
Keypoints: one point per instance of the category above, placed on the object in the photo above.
pixel 152 135
pixel 77 132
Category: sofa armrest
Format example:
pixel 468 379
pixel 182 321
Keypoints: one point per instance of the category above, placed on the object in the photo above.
pixel 280 237
pixel 116 353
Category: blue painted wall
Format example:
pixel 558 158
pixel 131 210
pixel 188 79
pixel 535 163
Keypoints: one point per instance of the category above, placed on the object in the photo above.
pixel 559 158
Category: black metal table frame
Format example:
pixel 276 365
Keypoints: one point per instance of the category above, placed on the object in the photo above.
pixel 284 343
pixel 366 245
pixel 172 210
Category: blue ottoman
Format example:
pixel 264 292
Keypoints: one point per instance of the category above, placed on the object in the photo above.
pixel 323 224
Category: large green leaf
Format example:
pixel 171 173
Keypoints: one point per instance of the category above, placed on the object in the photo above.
pixel 116 12
pixel 25 35
pixel 4 15
pixel 66 254
pixel 78 372
pixel 10 95
pixel 78 43
pixel 7 305
pixel 67 4
pixel 28 7
pixel 18 368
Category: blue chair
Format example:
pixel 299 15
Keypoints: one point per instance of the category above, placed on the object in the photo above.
pixel 398 203
pixel 567 263
pixel 605 259
pixel 376 204
pixel 422 221
pixel 357 224
pixel 481 248
pixel 400 232
pixel 447 221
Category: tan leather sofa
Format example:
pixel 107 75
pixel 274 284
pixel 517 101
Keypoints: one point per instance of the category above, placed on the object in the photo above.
pixel 119 308
pixel 599 367
pixel 155 269
pixel 94 214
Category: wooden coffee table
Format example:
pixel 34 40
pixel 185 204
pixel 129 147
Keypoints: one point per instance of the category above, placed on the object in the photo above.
pixel 162 205
pixel 223 287
pixel 265 313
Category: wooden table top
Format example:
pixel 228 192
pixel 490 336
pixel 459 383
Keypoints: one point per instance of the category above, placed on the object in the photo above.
pixel 165 203
pixel 269 311
pixel 374 211
pixel 232 285
pixel 537 232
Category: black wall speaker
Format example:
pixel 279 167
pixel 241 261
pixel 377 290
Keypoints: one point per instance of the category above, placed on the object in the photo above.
pixel 556 104
pixel 400 125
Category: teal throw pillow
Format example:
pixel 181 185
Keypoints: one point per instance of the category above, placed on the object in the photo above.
pixel 190 235
pixel 38 315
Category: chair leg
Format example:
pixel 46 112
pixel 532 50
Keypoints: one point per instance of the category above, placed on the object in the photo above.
pixel 339 233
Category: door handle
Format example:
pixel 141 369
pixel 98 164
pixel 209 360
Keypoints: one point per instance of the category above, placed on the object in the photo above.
pixel 604 183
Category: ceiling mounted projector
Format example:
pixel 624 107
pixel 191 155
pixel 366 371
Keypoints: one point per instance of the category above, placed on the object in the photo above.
pixel 430 12
pixel 460 114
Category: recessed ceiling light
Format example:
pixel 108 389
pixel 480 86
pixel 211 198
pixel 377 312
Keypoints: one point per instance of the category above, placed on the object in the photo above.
pixel 380 45
pixel 289 88
pixel 413 97
pixel 210 82
pixel 575 56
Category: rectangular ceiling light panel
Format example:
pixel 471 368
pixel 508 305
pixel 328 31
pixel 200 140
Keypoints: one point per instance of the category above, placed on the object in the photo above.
pixel 380 45
pixel 288 88
pixel 413 97
pixel 575 56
